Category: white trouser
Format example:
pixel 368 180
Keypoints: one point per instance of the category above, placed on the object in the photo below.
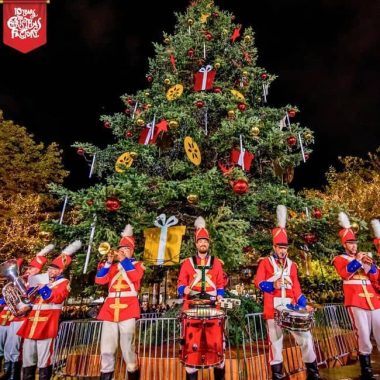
pixel 109 343
pixel 275 336
pixel 12 345
pixel 3 336
pixel 37 352
pixel 363 321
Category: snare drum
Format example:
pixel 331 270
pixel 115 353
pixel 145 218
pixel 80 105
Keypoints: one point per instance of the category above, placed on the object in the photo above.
pixel 202 337
pixel 301 320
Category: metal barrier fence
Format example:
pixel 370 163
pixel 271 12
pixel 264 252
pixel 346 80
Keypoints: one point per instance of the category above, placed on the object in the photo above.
pixel 77 348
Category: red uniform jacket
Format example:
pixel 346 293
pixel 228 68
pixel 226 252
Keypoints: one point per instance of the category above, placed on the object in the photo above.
pixel 357 288
pixel 190 276
pixel 122 302
pixel 42 321
pixel 5 316
pixel 268 271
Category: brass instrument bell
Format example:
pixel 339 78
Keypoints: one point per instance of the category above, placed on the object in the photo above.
pixel 104 248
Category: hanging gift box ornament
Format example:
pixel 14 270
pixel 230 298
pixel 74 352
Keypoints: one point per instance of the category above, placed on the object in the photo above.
pixel 204 78
pixel 151 132
pixel 174 92
pixel 163 243
pixel 192 151
pixel 124 161
pixel 242 158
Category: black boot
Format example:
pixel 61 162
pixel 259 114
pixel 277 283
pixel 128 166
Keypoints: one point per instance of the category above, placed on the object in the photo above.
pixel 29 373
pixel 312 372
pixel 45 373
pixel 135 375
pixel 277 371
pixel 219 373
pixel 106 375
pixel 366 368
pixel 7 368
pixel 192 376
pixel 15 371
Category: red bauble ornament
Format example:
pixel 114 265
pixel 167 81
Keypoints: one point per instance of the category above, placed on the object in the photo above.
pixel 217 90
pixel 317 213
pixel 127 111
pixel 208 36
pixel 112 204
pixel 107 124
pixel 149 78
pixel 90 202
pixel 190 53
pixel 292 140
pixel 200 103
pixel 242 107
pixel 292 113
pixel 240 186
pixel 128 134
pixel 80 151
pixel 264 76
pixel 307 156
pixel 233 17
pixel 215 14
pixel 310 238
pixel 201 62
pixel 130 101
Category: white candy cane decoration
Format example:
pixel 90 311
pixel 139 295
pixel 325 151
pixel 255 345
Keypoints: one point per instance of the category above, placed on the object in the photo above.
pixel 206 122
pixel 92 234
pixel 63 209
pixel 134 110
pixel 301 145
pixel 204 50
pixel 92 166
pixel 307 212
pixel 265 91
pixel 241 155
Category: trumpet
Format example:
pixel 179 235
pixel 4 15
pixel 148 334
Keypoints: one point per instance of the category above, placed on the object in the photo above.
pixel 367 258
pixel 105 249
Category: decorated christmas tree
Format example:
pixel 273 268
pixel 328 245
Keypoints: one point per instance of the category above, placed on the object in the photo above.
pixel 200 139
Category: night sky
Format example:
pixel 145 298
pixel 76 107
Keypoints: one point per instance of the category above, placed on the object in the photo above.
pixel 325 52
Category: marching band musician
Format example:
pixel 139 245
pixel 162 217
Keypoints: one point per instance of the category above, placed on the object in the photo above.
pixel 40 327
pixel 121 308
pixel 277 278
pixel 202 277
pixel 13 341
pixel 5 321
pixel 357 271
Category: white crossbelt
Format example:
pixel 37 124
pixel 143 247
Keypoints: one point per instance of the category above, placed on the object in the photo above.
pixel 356 282
pixel 47 307
pixel 122 294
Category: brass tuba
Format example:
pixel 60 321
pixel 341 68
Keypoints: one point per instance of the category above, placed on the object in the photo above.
pixel 15 291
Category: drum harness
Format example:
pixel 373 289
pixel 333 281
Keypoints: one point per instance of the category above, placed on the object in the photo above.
pixel 203 269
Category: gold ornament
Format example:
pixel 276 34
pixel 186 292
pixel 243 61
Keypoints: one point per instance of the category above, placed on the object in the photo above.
pixel 45 235
pixel 167 40
pixel 247 39
pixel 355 227
pixel 167 81
pixel 308 136
pixel 238 96
pixel 173 124
pixel 140 122
pixel 190 22
pixel 217 65
pixel 245 73
pixel 204 17
pixel 174 92
pixel 283 191
pixel 192 151
pixel 192 199
pixel 225 31
pixel 124 161
pixel 231 114
pixel 255 131
pixel 147 93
